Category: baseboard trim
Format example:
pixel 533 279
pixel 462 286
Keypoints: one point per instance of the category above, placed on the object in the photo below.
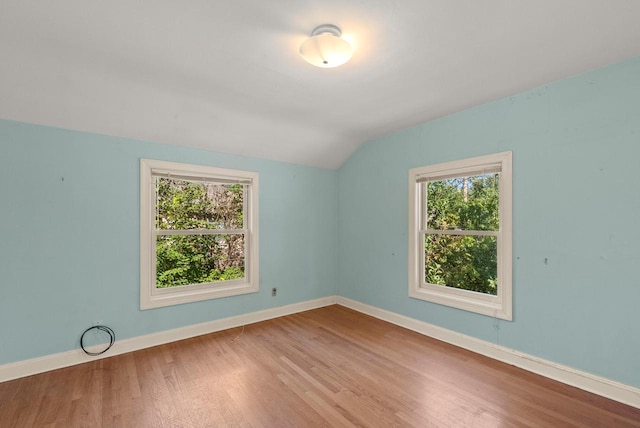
pixel 69 358
pixel 598 385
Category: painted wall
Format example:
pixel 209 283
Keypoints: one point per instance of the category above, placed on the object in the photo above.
pixel 69 238
pixel 69 213
pixel 576 151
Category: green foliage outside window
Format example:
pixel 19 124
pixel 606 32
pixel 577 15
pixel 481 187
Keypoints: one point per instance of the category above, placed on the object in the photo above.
pixel 463 204
pixel 198 258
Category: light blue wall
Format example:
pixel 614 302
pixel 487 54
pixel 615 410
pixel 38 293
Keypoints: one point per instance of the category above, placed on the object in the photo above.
pixel 69 238
pixel 69 212
pixel 576 152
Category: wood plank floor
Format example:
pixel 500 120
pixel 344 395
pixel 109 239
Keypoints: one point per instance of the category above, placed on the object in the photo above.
pixel 329 367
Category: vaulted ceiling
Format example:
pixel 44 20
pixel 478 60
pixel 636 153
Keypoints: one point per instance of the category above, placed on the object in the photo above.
pixel 226 75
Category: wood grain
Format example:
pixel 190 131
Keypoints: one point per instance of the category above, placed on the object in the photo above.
pixel 329 367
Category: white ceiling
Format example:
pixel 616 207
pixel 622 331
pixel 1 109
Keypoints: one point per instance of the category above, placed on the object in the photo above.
pixel 226 75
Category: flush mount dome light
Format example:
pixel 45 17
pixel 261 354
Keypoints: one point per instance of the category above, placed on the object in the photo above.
pixel 326 48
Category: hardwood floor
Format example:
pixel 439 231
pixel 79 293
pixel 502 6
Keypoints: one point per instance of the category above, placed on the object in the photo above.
pixel 330 367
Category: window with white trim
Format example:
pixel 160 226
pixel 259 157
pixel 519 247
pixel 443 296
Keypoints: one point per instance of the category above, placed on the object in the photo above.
pixel 198 233
pixel 460 234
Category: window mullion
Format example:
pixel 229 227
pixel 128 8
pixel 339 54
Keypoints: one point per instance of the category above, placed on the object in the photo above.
pixel 461 232
pixel 187 232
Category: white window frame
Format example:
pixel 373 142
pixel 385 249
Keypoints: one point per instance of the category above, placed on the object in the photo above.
pixel 153 297
pixel 498 306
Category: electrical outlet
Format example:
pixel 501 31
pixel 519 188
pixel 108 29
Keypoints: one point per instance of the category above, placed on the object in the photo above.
pixel 274 291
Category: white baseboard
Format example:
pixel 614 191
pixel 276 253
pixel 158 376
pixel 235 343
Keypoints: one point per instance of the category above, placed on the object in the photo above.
pixel 69 358
pixel 598 385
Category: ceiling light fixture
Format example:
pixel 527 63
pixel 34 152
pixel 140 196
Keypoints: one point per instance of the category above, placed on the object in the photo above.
pixel 326 48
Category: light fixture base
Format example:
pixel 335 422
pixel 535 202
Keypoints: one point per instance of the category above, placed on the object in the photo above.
pixel 327 29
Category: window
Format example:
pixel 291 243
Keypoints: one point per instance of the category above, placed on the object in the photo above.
pixel 198 233
pixel 460 234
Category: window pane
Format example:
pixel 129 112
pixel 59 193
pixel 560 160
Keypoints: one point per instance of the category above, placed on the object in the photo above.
pixel 194 259
pixel 465 262
pixel 186 204
pixel 463 203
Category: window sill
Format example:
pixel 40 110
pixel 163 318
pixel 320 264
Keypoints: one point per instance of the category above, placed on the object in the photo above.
pixel 466 300
pixel 150 301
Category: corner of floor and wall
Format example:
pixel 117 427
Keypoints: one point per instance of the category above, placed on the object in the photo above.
pixel 69 224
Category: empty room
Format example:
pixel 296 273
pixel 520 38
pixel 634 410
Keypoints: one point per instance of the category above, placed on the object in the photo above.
pixel 319 213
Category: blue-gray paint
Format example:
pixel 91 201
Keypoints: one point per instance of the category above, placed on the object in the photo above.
pixel 576 145
pixel 69 238
pixel 69 230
